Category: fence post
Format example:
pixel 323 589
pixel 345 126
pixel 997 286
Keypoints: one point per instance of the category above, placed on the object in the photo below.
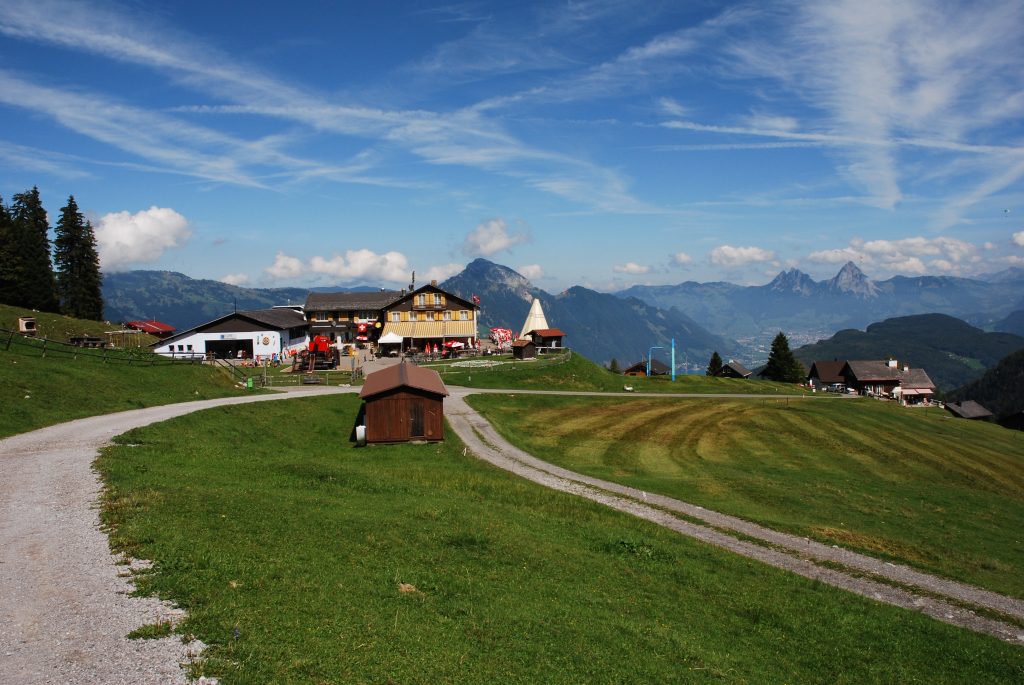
pixel 9 339
pixel 45 340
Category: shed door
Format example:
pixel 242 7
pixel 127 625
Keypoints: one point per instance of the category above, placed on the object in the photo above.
pixel 416 419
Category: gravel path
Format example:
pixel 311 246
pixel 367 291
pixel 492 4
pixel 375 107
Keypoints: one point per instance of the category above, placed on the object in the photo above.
pixel 785 551
pixel 64 607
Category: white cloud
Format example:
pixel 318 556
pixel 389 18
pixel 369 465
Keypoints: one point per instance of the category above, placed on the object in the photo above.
pixel 729 256
pixel 491 237
pixel 531 271
pixel 285 267
pixel 681 259
pixel 1018 238
pixel 443 271
pixel 366 264
pixel 235 279
pixel 631 268
pixel 124 239
pixel 906 255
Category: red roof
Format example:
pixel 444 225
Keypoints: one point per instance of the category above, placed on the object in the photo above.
pixel 549 333
pixel 150 326
pixel 402 375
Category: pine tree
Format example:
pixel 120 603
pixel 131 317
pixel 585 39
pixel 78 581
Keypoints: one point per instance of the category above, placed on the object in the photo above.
pixel 79 281
pixel 614 366
pixel 8 258
pixel 36 286
pixel 715 365
pixel 782 366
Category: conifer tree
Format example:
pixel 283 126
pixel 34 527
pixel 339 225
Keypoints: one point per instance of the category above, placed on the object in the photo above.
pixel 36 286
pixel 715 365
pixel 782 366
pixel 8 258
pixel 614 366
pixel 79 281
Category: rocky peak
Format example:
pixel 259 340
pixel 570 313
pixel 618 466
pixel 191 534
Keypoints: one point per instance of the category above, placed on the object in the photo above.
pixel 793 281
pixel 852 281
pixel 482 276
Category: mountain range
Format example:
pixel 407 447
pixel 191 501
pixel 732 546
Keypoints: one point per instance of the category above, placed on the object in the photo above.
pixel 701 317
pixel 795 303
pixel 600 326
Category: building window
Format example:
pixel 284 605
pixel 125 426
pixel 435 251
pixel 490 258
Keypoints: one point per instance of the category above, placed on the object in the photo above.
pixel 421 299
pixel 189 348
pixel 321 316
pixel 437 299
pixel 395 317
pixel 463 315
pixel 447 315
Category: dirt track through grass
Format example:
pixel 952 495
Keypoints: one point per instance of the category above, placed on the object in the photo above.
pixel 944 496
pixel 490 446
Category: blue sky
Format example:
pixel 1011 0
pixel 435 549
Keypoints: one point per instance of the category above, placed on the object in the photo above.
pixel 599 143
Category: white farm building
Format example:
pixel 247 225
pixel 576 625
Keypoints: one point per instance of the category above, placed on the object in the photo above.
pixel 253 334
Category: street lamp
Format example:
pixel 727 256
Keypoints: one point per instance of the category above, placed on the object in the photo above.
pixel 656 347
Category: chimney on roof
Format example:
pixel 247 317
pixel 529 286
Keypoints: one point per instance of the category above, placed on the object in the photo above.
pixel 434 282
pixel 893 364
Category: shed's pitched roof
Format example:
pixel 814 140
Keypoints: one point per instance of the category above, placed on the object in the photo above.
pixel 548 332
pixel 403 375
pixel 523 343
pixel 374 299
pixel 827 371
pixel 737 368
pixel 968 409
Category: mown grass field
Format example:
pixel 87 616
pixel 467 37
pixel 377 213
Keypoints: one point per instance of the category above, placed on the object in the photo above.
pixel 38 391
pixel 302 559
pixel 578 373
pixel 911 485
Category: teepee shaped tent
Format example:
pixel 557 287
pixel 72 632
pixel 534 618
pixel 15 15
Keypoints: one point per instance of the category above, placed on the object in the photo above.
pixel 534 320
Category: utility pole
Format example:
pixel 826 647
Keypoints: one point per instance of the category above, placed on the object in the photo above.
pixel 673 360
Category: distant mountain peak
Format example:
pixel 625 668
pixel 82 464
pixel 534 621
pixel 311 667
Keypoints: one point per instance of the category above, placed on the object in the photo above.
pixel 852 281
pixel 793 281
pixel 482 276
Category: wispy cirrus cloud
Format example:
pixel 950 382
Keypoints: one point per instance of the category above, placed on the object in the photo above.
pixel 461 137
pixel 885 76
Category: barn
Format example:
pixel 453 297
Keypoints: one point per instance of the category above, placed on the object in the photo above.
pixel 402 403
pixel 524 349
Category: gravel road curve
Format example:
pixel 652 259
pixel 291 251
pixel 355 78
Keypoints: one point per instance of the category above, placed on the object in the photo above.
pixel 64 607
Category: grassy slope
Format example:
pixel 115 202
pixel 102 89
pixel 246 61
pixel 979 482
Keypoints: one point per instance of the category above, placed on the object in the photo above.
pixel 579 373
pixel 941 494
pixel 40 391
pixel 290 557
pixel 59 327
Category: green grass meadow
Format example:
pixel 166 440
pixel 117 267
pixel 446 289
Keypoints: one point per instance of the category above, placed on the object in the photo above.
pixel 38 391
pixel 302 559
pixel 910 485
pixel 577 373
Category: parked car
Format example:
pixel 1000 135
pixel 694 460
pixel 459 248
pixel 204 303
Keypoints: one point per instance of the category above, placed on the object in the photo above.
pixel 836 387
